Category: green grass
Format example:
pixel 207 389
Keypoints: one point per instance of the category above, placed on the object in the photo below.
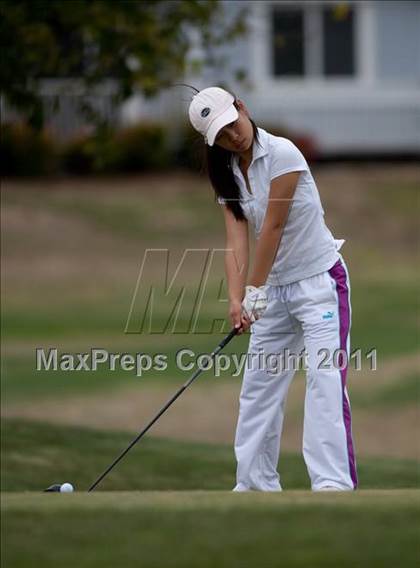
pixel 20 380
pixel 131 214
pixel 35 455
pixel 385 317
pixel 388 324
pixel 170 504
pixel 211 530
pixel 402 198
pixel 90 309
pixel 404 391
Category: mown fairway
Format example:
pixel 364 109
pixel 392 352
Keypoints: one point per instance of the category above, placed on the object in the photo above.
pixel 202 523
pixel 212 529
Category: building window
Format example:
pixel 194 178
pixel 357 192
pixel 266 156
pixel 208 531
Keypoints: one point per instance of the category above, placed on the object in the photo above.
pixel 288 42
pixel 313 40
pixel 338 52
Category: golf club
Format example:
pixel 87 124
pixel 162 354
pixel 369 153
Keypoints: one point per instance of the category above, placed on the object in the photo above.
pixel 57 488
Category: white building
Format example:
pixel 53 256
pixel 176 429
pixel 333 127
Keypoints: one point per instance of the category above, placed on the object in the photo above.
pixel 345 73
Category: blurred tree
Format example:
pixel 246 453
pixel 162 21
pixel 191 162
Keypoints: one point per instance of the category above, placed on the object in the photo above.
pixel 140 45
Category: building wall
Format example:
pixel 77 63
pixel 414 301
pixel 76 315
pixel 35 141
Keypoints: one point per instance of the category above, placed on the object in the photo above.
pixel 376 110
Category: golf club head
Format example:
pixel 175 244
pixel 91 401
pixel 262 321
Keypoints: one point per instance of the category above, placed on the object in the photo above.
pixel 53 488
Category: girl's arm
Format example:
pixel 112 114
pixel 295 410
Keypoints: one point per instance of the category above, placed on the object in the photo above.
pixel 236 266
pixel 236 255
pixel 280 198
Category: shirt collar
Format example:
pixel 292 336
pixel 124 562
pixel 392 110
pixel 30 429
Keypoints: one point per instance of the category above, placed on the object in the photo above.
pixel 259 149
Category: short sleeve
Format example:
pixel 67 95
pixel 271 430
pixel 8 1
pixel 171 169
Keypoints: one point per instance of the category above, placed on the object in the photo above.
pixel 221 201
pixel 286 158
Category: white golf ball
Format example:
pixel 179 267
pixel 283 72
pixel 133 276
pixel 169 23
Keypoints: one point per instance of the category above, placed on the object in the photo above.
pixel 66 488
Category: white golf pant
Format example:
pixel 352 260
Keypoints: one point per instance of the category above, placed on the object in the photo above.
pixel 313 314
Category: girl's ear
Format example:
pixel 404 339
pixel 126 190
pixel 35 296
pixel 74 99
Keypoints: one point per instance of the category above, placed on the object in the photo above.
pixel 241 107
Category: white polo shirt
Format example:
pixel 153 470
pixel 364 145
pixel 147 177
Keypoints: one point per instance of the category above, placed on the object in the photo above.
pixel 307 246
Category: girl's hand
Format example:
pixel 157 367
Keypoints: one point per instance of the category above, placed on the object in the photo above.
pixel 255 302
pixel 238 316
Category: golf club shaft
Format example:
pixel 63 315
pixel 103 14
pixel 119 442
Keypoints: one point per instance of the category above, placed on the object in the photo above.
pixel 222 344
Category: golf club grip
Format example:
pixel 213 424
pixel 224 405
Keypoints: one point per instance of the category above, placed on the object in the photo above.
pixel 224 342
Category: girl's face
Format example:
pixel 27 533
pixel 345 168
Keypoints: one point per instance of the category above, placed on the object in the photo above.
pixel 238 135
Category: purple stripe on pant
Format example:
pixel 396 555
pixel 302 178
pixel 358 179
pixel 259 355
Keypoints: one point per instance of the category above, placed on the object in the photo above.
pixel 339 275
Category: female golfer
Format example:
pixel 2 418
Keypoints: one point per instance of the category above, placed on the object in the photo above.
pixel 295 300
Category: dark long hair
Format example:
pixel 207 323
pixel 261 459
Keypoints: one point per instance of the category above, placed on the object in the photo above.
pixel 219 169
pixel 217 163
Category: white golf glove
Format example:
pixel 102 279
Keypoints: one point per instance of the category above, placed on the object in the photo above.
pixel 255 302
